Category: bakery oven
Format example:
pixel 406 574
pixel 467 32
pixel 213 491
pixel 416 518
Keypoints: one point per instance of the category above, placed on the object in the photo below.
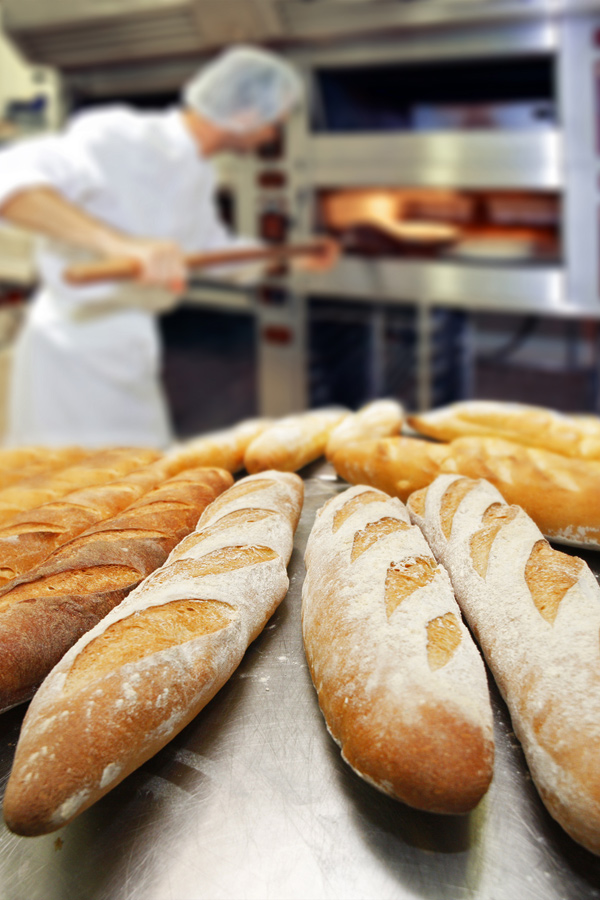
pixel 458 166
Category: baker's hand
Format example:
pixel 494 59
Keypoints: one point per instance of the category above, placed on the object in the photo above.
pixel 325 257
pixel 162 263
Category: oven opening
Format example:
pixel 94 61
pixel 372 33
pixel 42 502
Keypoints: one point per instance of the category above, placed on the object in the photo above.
pixel 517 227
pixel 517 93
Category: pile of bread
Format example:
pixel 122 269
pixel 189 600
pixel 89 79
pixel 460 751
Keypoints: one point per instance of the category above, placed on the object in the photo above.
pixel 132 582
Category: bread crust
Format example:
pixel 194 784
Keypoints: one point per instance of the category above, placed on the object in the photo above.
pixel 224 449
pixel 536 615
pixel 293 442
pixel 416 725
pixel 380 418
pixel 43 612
pixel 533 426
pixel 126 688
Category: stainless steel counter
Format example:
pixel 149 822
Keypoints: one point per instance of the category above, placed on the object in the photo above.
pixel 252 800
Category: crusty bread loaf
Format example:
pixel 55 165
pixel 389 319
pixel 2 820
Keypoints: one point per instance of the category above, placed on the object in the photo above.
pixel 560 493
pixel 134 681
pixel 534 426
pixel 43 612
pixel 293 442
pixel 27 462
pixel 536 614
pixel 400 682
pixel 224 449
pixel 33 535
pixel 396 465
pixel 378 419
pixel 98 468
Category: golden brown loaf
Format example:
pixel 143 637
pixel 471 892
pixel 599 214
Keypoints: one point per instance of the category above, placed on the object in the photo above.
pixel 43 612
pixel 380 418
pixel 534 426
pixel 133 682
pixel 98 468
pixel 396 465
pixel 536 615
pixel 560 493
pixel 400 682
pixel 293 442
pixel 33 535
pixel 27 462
pixel 224 449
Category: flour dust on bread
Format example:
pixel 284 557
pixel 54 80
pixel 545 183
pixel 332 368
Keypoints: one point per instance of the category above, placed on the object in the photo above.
pixel 400 682
pixel 137 678
pixel 536 614
pixel 43 612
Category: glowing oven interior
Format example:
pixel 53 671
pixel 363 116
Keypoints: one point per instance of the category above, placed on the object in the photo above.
pixel 511 226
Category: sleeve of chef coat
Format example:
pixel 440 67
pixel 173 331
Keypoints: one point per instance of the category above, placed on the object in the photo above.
pixel 59 161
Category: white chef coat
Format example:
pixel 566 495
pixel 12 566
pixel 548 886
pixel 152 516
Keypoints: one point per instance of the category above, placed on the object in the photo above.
pixel 87 362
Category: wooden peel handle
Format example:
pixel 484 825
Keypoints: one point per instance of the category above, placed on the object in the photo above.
pixel 128 269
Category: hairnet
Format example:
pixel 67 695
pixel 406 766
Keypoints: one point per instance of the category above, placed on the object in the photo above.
pixel 243 89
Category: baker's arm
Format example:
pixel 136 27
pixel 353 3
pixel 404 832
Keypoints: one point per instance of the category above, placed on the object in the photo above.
pixel 45 211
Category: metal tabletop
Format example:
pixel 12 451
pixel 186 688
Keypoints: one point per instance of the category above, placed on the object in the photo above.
pixel 252 800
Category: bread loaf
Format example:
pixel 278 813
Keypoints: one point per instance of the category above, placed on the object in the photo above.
pixel 536 614
pixel 27 462
pixel 381 418
pixel 43 612
pixel 534 426
pixel 292 442
pixel 400 682
pixel 98 468
pixel 134 681
pixel 396 465
pixel 33 535
pixel 560 493
pixel 224 449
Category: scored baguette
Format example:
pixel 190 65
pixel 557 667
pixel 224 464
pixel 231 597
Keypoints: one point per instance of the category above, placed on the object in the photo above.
pixel 33 535
pixel 224 449
pixel 535 426
pixel 292 442
pixel 536 615
pixel 98 468
pixel 43 612
pixel 400 682
pixel 380 418
pixel 134 681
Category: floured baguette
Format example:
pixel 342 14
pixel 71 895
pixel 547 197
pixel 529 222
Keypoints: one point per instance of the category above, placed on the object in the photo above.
pixel 293 442
pixel 534 426
pixel 396 465
pixel 28 462
pixel 380 418
pixel 536 614
pixel 44 612
pixel 400 682
pixel 224 449
pixel 98 468
pixel 134 681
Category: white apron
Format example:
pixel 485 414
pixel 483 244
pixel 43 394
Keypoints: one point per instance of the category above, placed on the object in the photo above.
pixel 91 381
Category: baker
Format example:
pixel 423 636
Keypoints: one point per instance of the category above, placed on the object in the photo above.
pixel 124 183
